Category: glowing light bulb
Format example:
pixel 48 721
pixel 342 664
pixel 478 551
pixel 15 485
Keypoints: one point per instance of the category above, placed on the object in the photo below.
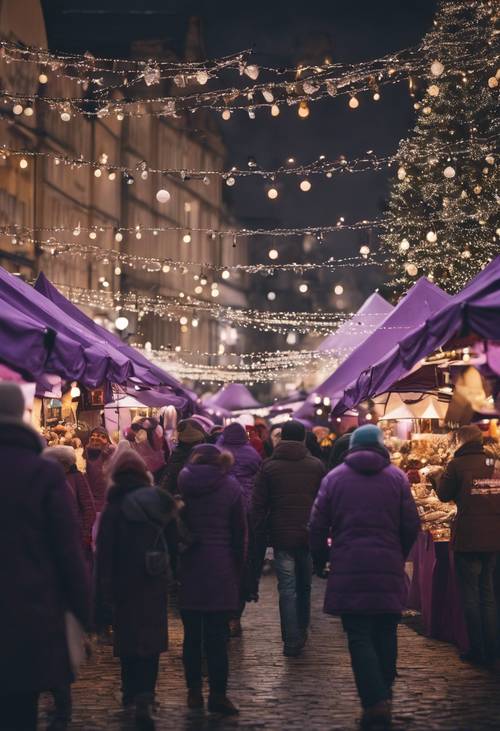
pixel 303 110
pixel 303 288
pixel 431 237
pixel 364 250
pixel 449 172
pixel 376 97
pixel 202 77
pixel 195 322
pixel 17 109
pixel 118 271
pixel 305 185
pixel 187 238
pixel 353 102
pixel 121 323
pixel 226 114
pixel 163 196
pixel 28 112
pixel 273 254
pixel 97 172
pixel 272 193
pixel 271 296
pixel 118 236
pixel 111 175
pixel 226 274
pixel 23 163
pixel 183 320
pixel 65 115
pixel 43 78
pixel 338 290
pixel 275 110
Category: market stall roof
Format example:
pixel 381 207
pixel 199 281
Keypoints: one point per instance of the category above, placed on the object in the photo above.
pixel 421 301
pixel 233 397
pixel 33 349
pixel 93 363
pixel 145 371
pixel 357 328
pixel 474 310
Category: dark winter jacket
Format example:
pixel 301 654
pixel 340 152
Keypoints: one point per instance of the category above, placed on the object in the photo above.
pixel 211 568
pixel 472 480
pixel 284 492
pixel 133 523
pixel 42 571
pixel 85 506
pixel 246 460
pixel 367 504
pixel 96 461
pixel 177 460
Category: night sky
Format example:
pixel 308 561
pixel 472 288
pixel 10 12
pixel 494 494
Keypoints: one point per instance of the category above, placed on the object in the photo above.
pixel 282 33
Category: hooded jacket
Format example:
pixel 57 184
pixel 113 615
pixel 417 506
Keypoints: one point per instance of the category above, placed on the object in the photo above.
pixel 284 492
pixel 368 506
pixel 472 480
pixel 246 460
pixel 211 568
pixel 134 522
pixel 42 570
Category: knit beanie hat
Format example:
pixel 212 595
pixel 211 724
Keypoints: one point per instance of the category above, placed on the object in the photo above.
pixel 366 436
pixel 11 403
pixel 211 454
pixel 65 455
pixel 190 432
pixel 293 431
pixel 126 459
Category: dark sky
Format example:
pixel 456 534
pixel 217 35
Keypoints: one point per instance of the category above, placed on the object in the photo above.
pixel 281 33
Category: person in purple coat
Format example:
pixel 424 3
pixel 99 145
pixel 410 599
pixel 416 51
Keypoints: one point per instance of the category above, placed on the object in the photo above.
pixel 247 462
pixel 367 504
pixel 210 569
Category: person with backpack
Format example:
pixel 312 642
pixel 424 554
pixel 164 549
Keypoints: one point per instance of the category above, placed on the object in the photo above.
pixel 132 576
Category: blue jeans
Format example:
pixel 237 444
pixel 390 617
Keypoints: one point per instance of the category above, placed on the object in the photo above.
pixel 294 572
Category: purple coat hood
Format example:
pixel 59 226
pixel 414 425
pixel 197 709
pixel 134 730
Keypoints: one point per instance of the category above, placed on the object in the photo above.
pixel 247 461
pixel 367 504
pixel 211 568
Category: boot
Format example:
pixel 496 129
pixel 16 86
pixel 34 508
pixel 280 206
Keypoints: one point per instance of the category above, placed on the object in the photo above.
pixel 377 717
pixel 235 628
pixel 220 703
pixel 144 719
pixel 195 699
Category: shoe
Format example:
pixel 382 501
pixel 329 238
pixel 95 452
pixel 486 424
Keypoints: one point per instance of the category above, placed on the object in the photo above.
pixel 144 719
pixel 195 699
pixel 377 717
pixel 292 650
pixel 220 703
pixel 235 628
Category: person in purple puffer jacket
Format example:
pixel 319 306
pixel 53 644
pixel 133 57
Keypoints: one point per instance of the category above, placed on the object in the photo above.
pixel 368 505
pixel 210 569
pixel 247 462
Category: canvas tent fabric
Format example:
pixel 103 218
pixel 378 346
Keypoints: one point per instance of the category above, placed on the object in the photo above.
pixel 234 397
pixel 474 310
pixel 144 371
pixel 356 329
pixel 420 302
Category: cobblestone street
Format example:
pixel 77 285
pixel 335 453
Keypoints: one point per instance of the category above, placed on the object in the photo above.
pixel 434 691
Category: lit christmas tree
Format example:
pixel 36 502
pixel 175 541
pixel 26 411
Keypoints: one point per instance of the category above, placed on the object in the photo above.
pixel 442 220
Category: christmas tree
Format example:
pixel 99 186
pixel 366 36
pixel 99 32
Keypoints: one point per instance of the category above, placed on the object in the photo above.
pixel 442 219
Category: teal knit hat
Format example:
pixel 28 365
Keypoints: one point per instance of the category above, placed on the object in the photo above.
pixel 366 436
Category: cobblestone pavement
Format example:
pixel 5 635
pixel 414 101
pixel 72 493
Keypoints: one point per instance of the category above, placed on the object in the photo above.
pixel 435 690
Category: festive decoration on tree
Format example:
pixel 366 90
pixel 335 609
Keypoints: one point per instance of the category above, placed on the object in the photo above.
pixel 441 217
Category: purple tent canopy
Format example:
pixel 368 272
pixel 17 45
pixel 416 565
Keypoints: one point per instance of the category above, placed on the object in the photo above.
pixel 352 332
pixel 145 372
pixel 94 363
pixel 234 397
pixel 421 301
pixel 32 348
pixel 474 310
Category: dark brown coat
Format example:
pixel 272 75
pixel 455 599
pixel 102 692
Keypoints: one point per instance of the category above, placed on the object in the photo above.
pixel 473 483
pixel 126 595
pixel 285 489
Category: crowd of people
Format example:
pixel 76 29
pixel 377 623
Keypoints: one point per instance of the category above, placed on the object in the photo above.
pixel 100 540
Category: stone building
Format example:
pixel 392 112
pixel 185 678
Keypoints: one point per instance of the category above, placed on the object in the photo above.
pixel 48 193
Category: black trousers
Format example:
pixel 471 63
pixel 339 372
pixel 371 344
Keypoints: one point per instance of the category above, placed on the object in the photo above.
pixel 205 631
pixel 139 676
pixel 373 645
pixel 475 573
pixel 19 711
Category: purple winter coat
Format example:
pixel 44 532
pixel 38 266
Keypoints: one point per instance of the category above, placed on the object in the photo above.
pixel 42 571
pixel 247 461
pixel 211 568
pixel 368 505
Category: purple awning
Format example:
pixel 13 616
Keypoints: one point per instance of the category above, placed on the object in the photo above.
pixel 143 371
pixel 474 310
pixel 421 301
pixel 234 397
pixel 93 363
pixel 356 329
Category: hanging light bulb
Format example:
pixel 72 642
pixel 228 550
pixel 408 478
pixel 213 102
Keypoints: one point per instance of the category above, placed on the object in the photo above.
pixel 195 322
pixel 163 196
pixel 303 110
pixel 252 71
pixel 187 238
pixel 431 237
pixel 65 115
pixel 230 181
pixel 97 172
pixel 92 235
pixel 338 289
pixel 303 288
pixel 273 254
pixel 275 110
pixel 28 112
pixel 183 320
pixel 272 193
pixel 376 96
pixel 118 271
pixel 43 78
pixel 226 114
pixel 305 185
pixel 364 250
pixel 121 323
pixel 17 109
pixel 23 163
pixel 353 102
pixel 226 274
pixel 112 175
pixel 271 296
pixel 404 245
pixel 202 77
pixel 118 236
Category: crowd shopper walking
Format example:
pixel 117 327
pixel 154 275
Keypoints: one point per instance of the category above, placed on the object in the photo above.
pixel 191 512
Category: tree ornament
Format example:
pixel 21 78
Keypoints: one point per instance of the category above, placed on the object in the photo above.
pixel 268 95
pixel 493 82
pixel 427 110
pixel 490 159
pixel 252 71
pixel 431 237
pixel 163 196
pixel 437 68
pixel 404 245
pixel 151 73
pixel 202 77
pixel 411 270
pixel 477 189
pixel 401 173
pixel 449 172
pixel 433 90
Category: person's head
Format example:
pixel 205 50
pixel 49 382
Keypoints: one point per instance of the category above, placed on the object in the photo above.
pixel 65 455
pixel 99 438
pixel 275 436
pixel 127 466
pixel 11 404
pixel 468 434
pixel 190 431
pixel 367 436
pixel 293 431
pixel 211 454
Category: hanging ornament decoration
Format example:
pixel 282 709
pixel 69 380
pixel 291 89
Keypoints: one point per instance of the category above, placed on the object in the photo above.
pixel 151 73
pixel 433 90
pixel 437 68
pixel 353 102
pixel 404 245
pixel 401 173
pixel 431 237
pixel 411 270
